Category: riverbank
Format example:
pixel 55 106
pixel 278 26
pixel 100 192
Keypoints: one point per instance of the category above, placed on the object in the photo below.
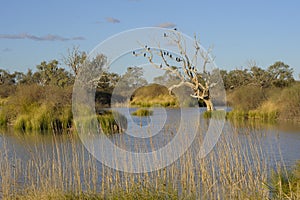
pixel 267 105
pixel 47 109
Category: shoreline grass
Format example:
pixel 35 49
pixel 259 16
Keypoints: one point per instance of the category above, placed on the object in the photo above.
pixel 55 173
pixel 267 105
pixel 142 112
pixel 112 122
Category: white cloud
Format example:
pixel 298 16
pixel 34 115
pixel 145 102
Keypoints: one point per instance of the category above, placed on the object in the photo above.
pixel 166 25
pixel 48 37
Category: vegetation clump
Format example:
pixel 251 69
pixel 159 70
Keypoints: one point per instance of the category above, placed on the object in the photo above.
pixel 215 114
pixel 284 183
pixel 153 95
pixel 112 122
pixel 142 112
pixel 265 95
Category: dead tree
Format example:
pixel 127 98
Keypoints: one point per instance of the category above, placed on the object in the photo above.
pixel 75 59
pixel 185 67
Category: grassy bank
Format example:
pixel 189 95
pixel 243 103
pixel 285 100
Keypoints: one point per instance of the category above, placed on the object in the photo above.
pixel 267 105
pixel 153 95
pixel 44 109
pixel 38 108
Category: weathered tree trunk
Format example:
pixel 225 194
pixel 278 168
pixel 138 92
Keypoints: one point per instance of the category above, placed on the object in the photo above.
pixel 209 104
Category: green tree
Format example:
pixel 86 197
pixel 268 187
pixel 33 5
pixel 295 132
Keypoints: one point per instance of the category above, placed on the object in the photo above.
pixel 27 78
pixel 130 81
pixel 281 75
pixel 134 77
pixel 237 78
pixel 7 78
pixel 51 74
pixel 108 81
pixel 260 77
pixel 7 83
pixel 168 79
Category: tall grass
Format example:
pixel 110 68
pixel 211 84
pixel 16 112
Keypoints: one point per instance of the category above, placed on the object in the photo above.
pixel 38 108
pixel 233 170
pixel 108 122
pixel 43 118
pixel 112 122
pixel 3 119
pixel 285 184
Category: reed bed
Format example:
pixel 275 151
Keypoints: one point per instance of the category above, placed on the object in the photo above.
pixel 233 170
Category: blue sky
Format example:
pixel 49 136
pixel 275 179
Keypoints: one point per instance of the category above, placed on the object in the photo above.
pixel 265 31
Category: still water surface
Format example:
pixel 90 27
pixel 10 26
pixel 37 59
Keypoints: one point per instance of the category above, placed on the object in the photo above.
pixel 278 142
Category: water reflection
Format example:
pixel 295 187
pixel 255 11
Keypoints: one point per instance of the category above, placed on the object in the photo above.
pixel 277 141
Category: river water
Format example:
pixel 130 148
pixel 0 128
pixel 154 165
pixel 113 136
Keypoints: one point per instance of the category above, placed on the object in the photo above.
pixel 279 142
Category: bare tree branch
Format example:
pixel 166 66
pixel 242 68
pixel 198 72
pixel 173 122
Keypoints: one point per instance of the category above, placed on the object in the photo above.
pixel 186 70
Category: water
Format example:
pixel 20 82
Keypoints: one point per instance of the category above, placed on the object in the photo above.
pixel 146 134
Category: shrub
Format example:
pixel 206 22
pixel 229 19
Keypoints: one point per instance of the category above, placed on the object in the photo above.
pixel 237 114
pixel 153 95
pixel 142 112
pixel 216 114
pixel 246 98
pixel 112 122
pixel 289 103
pixel 3 119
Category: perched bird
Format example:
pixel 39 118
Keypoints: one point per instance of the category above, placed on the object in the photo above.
pixel 165 35
pixel 175 29
pixel 164 53
pixel 133 53
pixel 148 48
pixel 160 66
pixel 170 55
pixel 144 54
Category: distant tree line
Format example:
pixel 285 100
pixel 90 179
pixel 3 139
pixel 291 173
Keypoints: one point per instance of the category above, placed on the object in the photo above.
pixel 50 73
pixel 277 75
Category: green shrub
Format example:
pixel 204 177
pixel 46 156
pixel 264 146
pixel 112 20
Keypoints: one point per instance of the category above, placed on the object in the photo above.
pixel 3 119
pixel 112 122
pixel 142 112
pixel 216 114
pixel 22 123
pixel 237 115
